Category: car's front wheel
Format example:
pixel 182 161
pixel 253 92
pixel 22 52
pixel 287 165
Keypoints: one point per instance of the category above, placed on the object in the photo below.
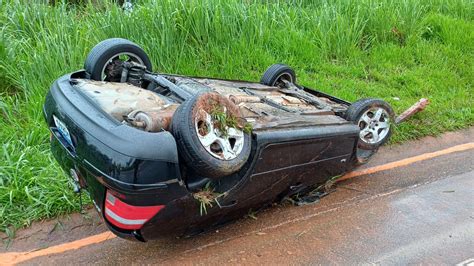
pixel 375 119
pixel 276 74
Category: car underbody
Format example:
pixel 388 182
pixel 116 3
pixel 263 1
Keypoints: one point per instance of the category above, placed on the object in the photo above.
pixel 261 105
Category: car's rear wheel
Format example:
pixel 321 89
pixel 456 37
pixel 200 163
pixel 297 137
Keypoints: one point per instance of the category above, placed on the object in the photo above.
pixel 104 60
pixel 276 74
pixel 210 148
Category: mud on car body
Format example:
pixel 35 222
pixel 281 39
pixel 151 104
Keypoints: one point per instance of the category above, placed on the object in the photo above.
pixel 165 155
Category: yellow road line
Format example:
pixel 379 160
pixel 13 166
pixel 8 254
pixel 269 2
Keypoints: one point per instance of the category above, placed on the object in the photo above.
pixel 407 161
pixel 10 258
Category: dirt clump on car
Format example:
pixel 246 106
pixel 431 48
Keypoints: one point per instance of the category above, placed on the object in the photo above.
pixel 225 113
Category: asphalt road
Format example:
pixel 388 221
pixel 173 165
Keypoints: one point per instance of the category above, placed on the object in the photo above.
pixel 419 213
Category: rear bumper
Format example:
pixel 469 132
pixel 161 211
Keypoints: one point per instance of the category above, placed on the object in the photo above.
pixel 108 155
pixel 125 234
pixel 123 156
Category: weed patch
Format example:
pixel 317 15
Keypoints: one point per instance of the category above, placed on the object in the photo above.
pixel 206 198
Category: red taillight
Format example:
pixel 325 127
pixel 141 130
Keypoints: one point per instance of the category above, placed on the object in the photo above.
pixel 126 216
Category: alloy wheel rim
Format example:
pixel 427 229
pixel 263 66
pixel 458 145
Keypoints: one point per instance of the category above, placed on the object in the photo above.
pixel 374 125
pixel 222 146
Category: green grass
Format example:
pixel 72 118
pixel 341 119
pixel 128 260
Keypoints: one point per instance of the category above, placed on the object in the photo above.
pixel 352 49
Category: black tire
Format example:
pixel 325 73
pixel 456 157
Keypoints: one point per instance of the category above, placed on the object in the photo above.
pixel 355 112
pixel 274 73
pixel 193 153
pixel 100 55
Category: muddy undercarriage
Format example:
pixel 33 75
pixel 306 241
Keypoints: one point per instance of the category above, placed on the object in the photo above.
pixel 260 105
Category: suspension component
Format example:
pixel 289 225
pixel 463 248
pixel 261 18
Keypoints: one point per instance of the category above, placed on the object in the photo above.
pixel 133 73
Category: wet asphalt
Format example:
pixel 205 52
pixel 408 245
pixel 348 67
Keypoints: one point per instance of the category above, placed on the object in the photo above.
pixel 420 213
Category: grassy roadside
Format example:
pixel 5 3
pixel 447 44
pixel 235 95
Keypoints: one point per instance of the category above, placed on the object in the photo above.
pixel 389 49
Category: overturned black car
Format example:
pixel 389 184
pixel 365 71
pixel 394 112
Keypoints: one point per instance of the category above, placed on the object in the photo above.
pixel 165 154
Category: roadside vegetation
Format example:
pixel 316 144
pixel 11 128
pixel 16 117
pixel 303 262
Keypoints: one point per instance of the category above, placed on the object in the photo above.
pixel 397 50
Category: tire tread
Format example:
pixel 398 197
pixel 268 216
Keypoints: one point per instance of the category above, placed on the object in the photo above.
pixel 274 71
pixel 93 64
